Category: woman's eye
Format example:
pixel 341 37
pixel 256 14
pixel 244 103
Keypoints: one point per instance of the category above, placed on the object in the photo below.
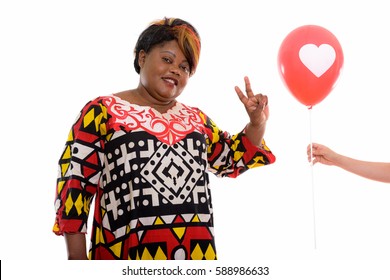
pixel 167 60
pixel 186 69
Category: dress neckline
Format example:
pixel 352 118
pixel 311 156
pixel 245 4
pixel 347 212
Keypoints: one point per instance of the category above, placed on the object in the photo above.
pixel 148 107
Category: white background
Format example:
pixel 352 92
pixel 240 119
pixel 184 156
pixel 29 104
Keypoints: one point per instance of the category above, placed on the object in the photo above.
pixel 57 55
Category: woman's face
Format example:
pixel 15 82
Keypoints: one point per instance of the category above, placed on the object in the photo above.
pixel 164 72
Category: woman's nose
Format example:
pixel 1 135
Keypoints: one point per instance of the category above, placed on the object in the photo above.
pixel 175 69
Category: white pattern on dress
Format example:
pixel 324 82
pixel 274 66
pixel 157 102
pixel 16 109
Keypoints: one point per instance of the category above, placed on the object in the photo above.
pixel 169 127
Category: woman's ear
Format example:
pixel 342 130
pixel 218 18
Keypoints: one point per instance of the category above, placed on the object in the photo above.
pixel 141 58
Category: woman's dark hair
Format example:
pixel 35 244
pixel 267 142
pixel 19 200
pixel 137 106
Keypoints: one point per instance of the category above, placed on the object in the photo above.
pixel 169 29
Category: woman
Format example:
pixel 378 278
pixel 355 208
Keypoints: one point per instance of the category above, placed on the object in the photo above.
pixel 145 158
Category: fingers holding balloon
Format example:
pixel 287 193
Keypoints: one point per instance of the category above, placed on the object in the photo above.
pixel 310 154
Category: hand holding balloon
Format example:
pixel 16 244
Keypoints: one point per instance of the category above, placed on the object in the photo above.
pixel 321 154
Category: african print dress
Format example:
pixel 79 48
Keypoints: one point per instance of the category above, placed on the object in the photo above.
pixel 147 174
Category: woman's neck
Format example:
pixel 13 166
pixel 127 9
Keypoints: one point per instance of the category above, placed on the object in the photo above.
pixel 135 96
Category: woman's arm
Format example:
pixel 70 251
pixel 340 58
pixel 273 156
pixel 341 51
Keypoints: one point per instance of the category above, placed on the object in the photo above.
pixel 76 246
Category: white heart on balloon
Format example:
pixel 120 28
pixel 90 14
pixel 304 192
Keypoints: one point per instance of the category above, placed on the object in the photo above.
pixel 317 59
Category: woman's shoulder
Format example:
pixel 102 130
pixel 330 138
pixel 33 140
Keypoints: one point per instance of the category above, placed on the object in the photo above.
pixel 101 99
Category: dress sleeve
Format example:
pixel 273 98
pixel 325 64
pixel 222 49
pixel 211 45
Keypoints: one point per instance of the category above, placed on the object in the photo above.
pixel 79 169
pixel 232 155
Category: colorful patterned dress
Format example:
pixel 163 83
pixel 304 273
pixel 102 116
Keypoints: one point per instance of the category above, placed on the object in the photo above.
pixel 148 175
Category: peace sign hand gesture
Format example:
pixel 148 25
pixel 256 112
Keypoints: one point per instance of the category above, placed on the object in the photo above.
pixel 256 105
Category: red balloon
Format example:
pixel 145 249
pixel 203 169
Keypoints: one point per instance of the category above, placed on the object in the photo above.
pixel 310 60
